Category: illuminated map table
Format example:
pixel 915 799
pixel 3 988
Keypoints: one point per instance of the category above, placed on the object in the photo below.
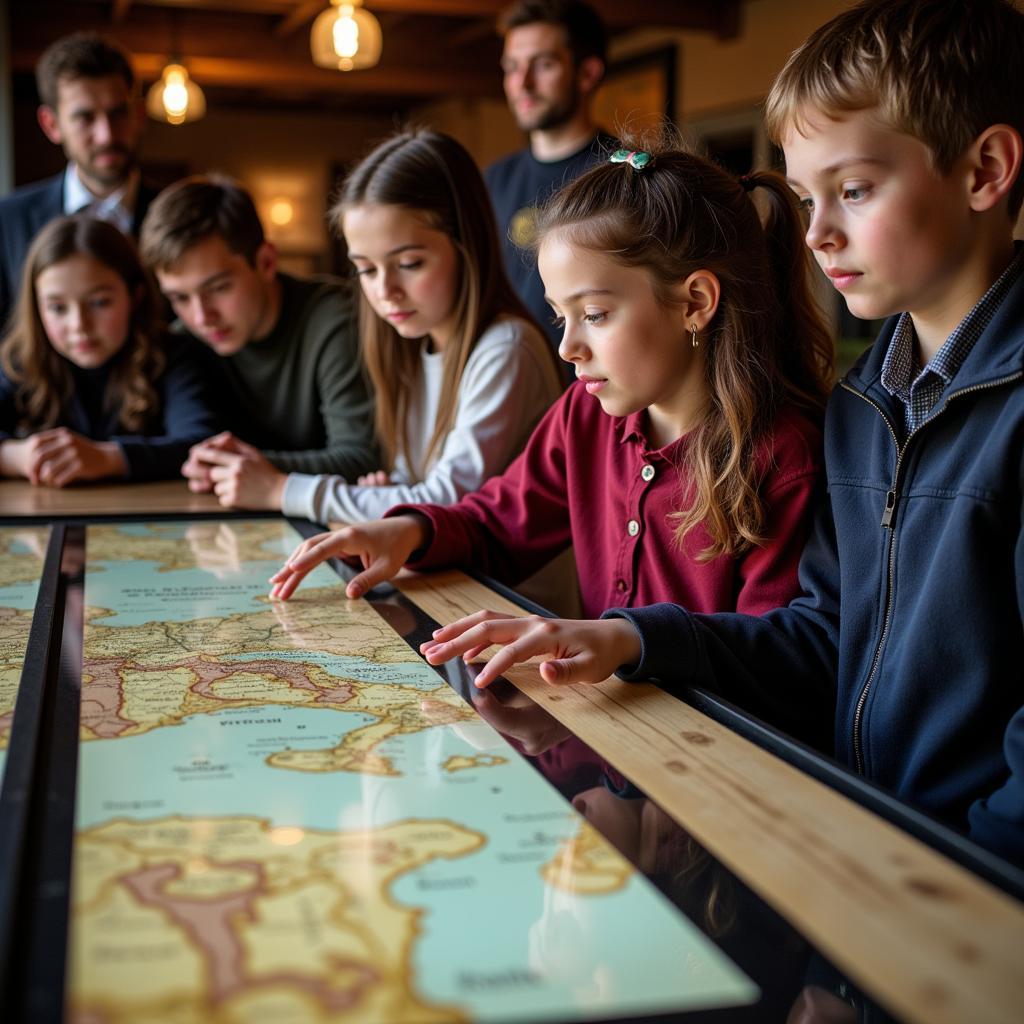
pixel 237 858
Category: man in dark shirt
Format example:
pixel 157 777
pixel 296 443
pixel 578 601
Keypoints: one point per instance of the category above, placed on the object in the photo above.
pixel 89 107
pixel 293 385
pixel 553 61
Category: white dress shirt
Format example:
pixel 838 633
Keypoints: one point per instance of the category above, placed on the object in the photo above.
pixel 118 208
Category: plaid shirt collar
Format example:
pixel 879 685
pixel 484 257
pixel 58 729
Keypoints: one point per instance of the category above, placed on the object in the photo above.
pixel 919 392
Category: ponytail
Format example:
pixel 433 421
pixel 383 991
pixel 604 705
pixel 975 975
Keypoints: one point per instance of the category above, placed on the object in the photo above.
pixel 806 351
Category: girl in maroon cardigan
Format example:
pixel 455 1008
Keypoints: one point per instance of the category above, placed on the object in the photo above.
pixel 683 462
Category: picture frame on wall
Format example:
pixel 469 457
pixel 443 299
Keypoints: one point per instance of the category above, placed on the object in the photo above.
pixel 639 89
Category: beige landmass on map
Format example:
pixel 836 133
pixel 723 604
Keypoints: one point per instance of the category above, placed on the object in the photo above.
pixel 22 566
pixel 229 920
pixel 16 567
pixel 462 762
pixel 220 544
pixel 587 864
pixel 139 678
pixel 14 629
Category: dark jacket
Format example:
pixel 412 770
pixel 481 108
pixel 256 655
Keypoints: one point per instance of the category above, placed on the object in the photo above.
pixel 909 632
pixel 23 213
pixel 186 412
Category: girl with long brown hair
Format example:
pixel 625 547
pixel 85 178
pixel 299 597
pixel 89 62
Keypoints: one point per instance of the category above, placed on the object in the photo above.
pixel 461 373
pixel 87 390
pixel 683 463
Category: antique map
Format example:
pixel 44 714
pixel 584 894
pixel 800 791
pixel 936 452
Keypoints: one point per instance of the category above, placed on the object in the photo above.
pixel 22 550
pixel 285 815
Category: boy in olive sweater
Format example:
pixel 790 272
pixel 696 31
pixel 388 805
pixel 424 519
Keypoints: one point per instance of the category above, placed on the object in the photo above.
pixel 293 385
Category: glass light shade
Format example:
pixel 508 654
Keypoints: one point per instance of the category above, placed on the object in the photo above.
pixel 282 212
pixel 175 98
pixel 345 37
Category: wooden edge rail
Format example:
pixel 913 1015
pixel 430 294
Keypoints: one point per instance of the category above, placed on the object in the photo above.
pixel 18 498
pixel 926 938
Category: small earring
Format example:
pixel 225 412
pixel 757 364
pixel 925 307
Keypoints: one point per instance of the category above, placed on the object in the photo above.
pixel 694 341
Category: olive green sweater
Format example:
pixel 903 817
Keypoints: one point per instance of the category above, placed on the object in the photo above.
pixel 300 393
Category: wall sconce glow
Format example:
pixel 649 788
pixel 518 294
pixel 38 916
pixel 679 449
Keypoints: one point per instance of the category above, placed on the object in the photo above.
pixel 281 212
pixel 345 37
pixel 175 98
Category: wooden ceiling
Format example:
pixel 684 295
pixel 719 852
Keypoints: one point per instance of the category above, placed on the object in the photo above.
pixel 255 53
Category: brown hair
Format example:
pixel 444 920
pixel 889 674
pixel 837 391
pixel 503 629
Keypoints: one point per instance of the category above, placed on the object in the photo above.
pixel 194 209
pixel 40 373
pixel 767 343
pixel 431 174
pixel 585 33
pixel 941 71
pixel 80 55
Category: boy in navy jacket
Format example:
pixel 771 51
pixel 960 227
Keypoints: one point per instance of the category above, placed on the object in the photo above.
pixel 901 121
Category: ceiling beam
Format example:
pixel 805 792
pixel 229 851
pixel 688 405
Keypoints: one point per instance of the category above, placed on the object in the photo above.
pixel 306 10
pixel 254 74
pixel 718 16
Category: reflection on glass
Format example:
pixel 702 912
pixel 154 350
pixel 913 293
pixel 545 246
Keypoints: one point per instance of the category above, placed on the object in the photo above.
pixel 284 813
pixel 797 984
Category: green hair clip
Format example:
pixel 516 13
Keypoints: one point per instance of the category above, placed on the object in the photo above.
pixel 636 158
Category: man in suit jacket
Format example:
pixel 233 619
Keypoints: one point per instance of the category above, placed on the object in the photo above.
pixel 90 108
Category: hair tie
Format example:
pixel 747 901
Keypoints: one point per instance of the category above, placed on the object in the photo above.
pixel 747 182
pixel 636 158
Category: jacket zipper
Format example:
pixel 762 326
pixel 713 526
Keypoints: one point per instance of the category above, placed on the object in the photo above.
pixel 888 511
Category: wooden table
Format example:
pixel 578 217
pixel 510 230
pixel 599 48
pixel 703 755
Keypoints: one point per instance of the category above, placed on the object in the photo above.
pixel 927 938
pixel 163 497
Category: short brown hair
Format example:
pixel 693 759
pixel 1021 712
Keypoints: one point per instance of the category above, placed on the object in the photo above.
pixel 585 33
pixel 941 71
pixel 194 209
pixel 81 55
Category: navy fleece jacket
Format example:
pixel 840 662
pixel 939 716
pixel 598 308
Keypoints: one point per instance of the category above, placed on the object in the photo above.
pixel 908 636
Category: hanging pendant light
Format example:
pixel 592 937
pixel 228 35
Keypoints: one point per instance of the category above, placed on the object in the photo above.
pixel 345 37
pixel 175 98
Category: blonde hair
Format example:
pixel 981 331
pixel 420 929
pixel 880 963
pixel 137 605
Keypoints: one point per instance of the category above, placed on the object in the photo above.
pixel 41 374
pixel 941 71
pixel 433 176
pixel 767 343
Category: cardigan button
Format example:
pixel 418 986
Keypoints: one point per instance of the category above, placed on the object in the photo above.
pixel 647 473
pixel 620 586
pixel 632 527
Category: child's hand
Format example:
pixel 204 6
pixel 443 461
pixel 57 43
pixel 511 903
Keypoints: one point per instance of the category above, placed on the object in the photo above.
pixel 58 457
pixel 378 478
pixel 197 471
pixel 240 475
pixel 382 547
pixel 575 651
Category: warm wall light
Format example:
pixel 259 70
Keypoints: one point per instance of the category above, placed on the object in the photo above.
pixel 175 98
pixel 345 37
pixel 281 212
